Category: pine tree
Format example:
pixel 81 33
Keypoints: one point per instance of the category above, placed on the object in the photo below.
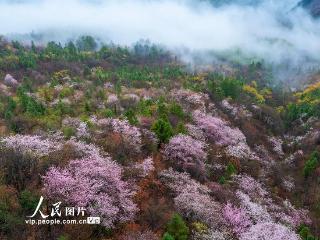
pixel 177 228
pixel 163 129
pixel 311 164
pixel 167 236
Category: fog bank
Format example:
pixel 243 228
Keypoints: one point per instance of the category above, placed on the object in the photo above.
pixel 275 31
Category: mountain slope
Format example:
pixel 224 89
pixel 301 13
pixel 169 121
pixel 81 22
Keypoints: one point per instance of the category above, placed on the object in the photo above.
pixel 152 148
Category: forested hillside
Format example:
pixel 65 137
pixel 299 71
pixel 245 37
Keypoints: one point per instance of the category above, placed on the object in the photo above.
pixel 156 148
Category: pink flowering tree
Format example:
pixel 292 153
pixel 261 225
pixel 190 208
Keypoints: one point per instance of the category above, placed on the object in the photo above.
pixel 94 183
pixel 217 130
pixel 250 186
pixel 190 100
pixel 145 167
pixel 196 132
pixel 81 128
pixel 257 211
pixel 198 206
pixel 236 218
pixel 269 231
pixel 290 216
pixel 83 149
pixel 192 199
pixel 175 180
pixel 31 144
pixel 256 200
pixel 130 135
pixel 186 154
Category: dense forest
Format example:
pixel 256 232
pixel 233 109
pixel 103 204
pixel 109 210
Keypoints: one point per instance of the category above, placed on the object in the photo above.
pixel 155 148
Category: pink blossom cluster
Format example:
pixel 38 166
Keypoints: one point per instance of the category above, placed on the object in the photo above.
pixel 80 127
pixel 82 130
pixel 295 140
pixel 188 98
pixel 255 199
pixel 131 135
pixel 292 159
pixel 175 180
pixel 112 99
pixel 250 186
pixel 235 111
pixel 93 119
pixel 291 216
pixel 58 88
pixel 196 132
pixel 149 136
pixel 146 166
pixel 186 153
pixel 10 81
pixel 94 183
pixel 241 150
pixel 269 231
pixel 226 105
pixel 237 218
pixel 217 130
pixel 288 183
pixel 85 149
pixel 265 210
pixel 257 212
pixel 311 134
pixel 35 145
pixel 133 97
pixel 69 121
pixel 263 156
pixel 56 136
pixel 197 206
pixel 192 199
pixel 56 101
pixel 277 145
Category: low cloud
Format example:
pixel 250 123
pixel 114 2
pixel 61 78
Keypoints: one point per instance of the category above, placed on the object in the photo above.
pixel 275 31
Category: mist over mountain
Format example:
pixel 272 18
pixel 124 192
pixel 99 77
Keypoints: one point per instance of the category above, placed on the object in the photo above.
pixel 312 5
pixel 277 32
pixel 237 2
